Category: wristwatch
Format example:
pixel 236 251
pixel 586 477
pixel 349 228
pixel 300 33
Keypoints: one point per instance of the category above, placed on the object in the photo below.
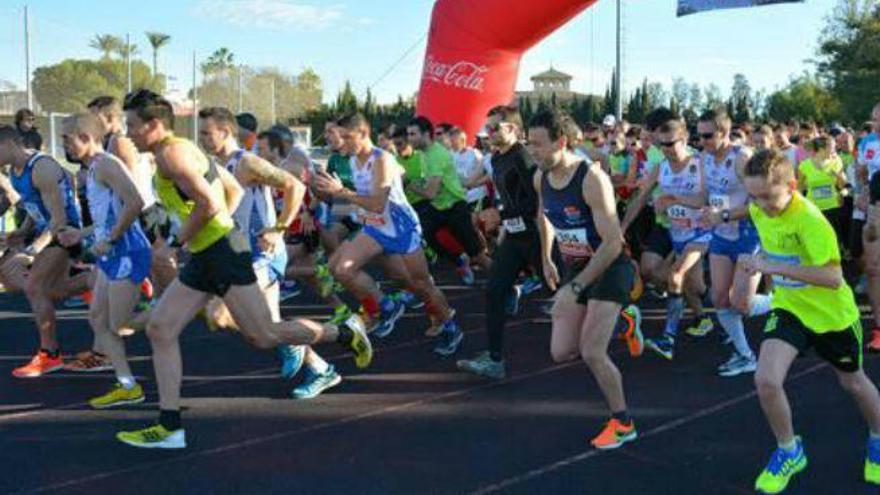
pixel 173 242
pixel 725 215
pixel 576 288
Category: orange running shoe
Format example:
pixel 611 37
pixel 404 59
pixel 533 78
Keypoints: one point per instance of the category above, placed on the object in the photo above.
pixel 147 289
pixel 874 344
pixel 635 341
pixel 614 435
pixel 39 365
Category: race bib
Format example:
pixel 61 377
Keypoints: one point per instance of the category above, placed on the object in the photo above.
pixel 374 219
pixel 823 192
pixel 680 216
pixel 573 243
pixel 514 225
pixel 719 201
pixel 780 280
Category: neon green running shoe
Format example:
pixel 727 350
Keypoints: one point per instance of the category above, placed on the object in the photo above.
pixel 118 396
pixel 702 328
pixel 782 467
pixel 154 437
pixel 872 462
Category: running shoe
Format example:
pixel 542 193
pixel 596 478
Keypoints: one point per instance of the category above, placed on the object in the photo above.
pixel 154 437
pixel 663 345
pixel 289 290
pixel 292 357
pixel 450 338
pixel 360 344
pixel 326 283
pixel 872 462
pixel 388 318
pixel 874 344
pixel 340 314
pixel 409 299
pixel 635 341
pixel 701 328
pixel 75 302
pixel 738 365
pixel 314 384
pixel 512 306
pixel 118 396
pixel 782 467
pixel 463 268
pixel 483 365
pixel 614 434
pixel 531 285
pixel 41 364
pixel 89 362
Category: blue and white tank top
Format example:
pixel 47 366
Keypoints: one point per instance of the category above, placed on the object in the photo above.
pixel 32 201
pixel 387 221
pixel 256 212
pixel 726 191
pixel 106 207
pixel 683 220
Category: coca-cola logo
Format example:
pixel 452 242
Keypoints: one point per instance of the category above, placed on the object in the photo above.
pixel 461 74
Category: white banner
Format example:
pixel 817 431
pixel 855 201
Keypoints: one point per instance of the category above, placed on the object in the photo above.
pixel 687 7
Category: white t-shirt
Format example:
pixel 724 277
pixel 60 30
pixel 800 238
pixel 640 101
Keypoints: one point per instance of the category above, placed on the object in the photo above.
pixel 467 162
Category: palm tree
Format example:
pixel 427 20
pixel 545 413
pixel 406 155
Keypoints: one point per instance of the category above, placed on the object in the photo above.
pixel 106 44
pixel 220 60
pixel 126 50
pixel 157 40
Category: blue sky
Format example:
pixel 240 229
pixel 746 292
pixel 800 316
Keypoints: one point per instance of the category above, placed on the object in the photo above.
pixel 358 40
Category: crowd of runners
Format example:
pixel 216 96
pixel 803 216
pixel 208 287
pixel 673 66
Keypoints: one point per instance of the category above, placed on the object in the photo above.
pixel 722 221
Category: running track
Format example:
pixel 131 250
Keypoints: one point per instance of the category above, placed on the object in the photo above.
pixel 411 424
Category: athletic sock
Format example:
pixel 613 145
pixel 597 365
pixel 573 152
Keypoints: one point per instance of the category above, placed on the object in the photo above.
pixel 674 310
pixel 760 304
pixel 789 447
pixel 317 364
pixel 622 416
pixel 128 382
pixel 169 419
pixel 732 322
pixel 346 335
pixel 371 306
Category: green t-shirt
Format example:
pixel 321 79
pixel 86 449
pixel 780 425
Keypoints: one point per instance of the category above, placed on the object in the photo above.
pixel 439 163
pixel 802 236
pixel 821 185
pixel 341 166
pixel 655 158
pixel 413 172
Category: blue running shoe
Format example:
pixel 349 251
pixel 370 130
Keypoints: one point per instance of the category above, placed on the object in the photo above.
pixel 289 290
pixel 388 318
pixel 483 365
pixel 314 384
pixel 450 338
pixel 663 345
pixel 782 467
pixel 409 299
pixel 531 284
pixel 292 357
pixel 75 302
pixel 513 300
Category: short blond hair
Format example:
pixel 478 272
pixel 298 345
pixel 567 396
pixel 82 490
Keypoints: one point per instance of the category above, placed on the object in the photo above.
pixel 83 123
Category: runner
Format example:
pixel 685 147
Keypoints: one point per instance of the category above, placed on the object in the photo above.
pixel 391 228
pixel 813 307
pixel 118 242
pixel 868 163
pixel 577 201
pixel 46 193
pixel 733 234
pixel 257 218
pixel 683 195
pixel 194 190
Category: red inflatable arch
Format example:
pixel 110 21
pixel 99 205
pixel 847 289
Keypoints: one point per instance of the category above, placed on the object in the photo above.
pixel 474 50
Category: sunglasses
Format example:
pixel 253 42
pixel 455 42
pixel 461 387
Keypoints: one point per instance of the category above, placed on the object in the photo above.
pixel 668 144
pixel 707 135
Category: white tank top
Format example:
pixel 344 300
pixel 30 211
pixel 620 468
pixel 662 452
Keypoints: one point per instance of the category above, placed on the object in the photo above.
pixel 683 220
pixel 726 189
pixel 256 211
pixel 362 176
pixel 142 175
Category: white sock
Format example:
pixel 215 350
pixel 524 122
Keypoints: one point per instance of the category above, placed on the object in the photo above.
pixel 317 364
pixel 128 382
pixel 760 304
pixel 732 322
